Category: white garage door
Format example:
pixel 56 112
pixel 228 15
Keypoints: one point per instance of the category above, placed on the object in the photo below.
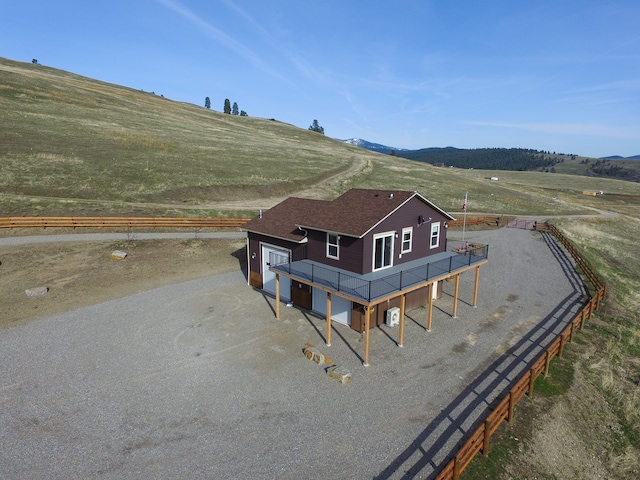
pixel 269 277
pixel 340 307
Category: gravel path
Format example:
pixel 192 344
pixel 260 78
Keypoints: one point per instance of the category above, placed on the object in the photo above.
pixel 95 237
pixel 199 380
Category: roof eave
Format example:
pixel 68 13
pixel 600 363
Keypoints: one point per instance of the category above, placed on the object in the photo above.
pixel 317 229
pixel 279 237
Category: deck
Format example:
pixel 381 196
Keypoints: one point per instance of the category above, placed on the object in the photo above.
pixel 371 287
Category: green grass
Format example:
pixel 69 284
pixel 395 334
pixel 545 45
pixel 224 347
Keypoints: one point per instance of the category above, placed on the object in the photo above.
pixel 558 381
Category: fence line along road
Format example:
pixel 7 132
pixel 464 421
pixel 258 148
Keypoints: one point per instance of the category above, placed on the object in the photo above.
pixel 469 221
pixel 129 222
pixel 174 222
pixel 479 440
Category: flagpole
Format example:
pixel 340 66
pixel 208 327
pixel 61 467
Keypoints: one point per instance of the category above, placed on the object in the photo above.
pixel 464 221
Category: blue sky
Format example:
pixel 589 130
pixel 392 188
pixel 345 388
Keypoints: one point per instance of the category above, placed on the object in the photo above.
pixel 552 75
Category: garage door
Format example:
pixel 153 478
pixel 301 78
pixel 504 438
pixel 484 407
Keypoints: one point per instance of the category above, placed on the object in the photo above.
pixel 340 307
pixel 269 277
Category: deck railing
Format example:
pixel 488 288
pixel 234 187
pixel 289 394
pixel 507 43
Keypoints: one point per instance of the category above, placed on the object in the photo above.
pixel 369 290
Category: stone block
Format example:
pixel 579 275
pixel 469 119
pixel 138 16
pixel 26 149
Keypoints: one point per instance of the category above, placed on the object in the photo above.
pixel 314 355
pixel 118 254
pixel 36 292
pixel 340 374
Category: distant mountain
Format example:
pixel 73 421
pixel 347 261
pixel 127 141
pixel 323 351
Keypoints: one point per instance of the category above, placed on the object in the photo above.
pixel 374 147
pixel 618 157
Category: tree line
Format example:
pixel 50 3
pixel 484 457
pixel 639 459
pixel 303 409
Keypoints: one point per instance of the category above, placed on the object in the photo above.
pixel 485 158
pixel 227 107
pixel 233 110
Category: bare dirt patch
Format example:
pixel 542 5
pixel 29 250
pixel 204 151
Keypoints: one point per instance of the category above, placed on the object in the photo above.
pixel 83 273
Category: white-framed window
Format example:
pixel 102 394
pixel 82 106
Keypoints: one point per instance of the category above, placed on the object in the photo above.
pixel 333 245
pixel 434 242
pixel 407 239
pixel 383 250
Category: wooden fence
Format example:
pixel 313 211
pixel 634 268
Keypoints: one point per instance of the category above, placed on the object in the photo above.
pixel 474 221
pixel 177 222
pixel 128 222
pixel 479 440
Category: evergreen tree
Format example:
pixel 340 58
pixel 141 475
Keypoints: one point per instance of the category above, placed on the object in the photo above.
pixel 234 111
pixel 315 127
pixel 243 113
pixel 207 102
pixel 227 106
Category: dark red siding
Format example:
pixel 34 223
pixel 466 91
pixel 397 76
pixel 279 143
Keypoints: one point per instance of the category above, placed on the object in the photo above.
pixel 350 251
pixel 406 216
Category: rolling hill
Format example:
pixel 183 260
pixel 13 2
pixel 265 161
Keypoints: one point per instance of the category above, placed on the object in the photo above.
pixel 73 145
pixel 67 136
pixel 519 159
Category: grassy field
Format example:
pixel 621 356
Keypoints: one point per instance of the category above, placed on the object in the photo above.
pixel 68 137
pixel 74 146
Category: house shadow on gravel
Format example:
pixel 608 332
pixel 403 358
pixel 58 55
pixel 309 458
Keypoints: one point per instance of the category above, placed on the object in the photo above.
pixel 241 256
pixel 438 443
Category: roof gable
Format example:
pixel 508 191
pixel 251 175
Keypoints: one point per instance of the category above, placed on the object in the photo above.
pixel 354 213
pixel 357 211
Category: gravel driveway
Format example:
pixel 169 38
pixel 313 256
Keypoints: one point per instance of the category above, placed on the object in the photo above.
pixel 200 380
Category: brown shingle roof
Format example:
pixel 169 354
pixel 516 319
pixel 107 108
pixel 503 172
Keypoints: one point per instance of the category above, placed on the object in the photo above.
pixel 281 220
pixel 353 213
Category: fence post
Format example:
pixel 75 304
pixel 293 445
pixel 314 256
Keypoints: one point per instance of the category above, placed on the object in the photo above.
pixel 547 362
pixel 532 381
pixel 562 342
pixel 487 437
pixel 571 332
pixel 512 405
pixel 456 468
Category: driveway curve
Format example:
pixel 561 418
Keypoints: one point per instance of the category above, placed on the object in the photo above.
pixel 200 379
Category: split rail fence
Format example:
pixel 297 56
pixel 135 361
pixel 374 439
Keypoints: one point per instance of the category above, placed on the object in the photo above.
pixel 174 222
pixel 475 221
pixel 479 440
pixel 128 222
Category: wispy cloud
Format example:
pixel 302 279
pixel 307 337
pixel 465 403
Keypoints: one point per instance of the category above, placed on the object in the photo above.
pixel 565 129
pixel 221 37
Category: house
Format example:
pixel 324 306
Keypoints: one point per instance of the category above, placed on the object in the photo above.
pixel 361 260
